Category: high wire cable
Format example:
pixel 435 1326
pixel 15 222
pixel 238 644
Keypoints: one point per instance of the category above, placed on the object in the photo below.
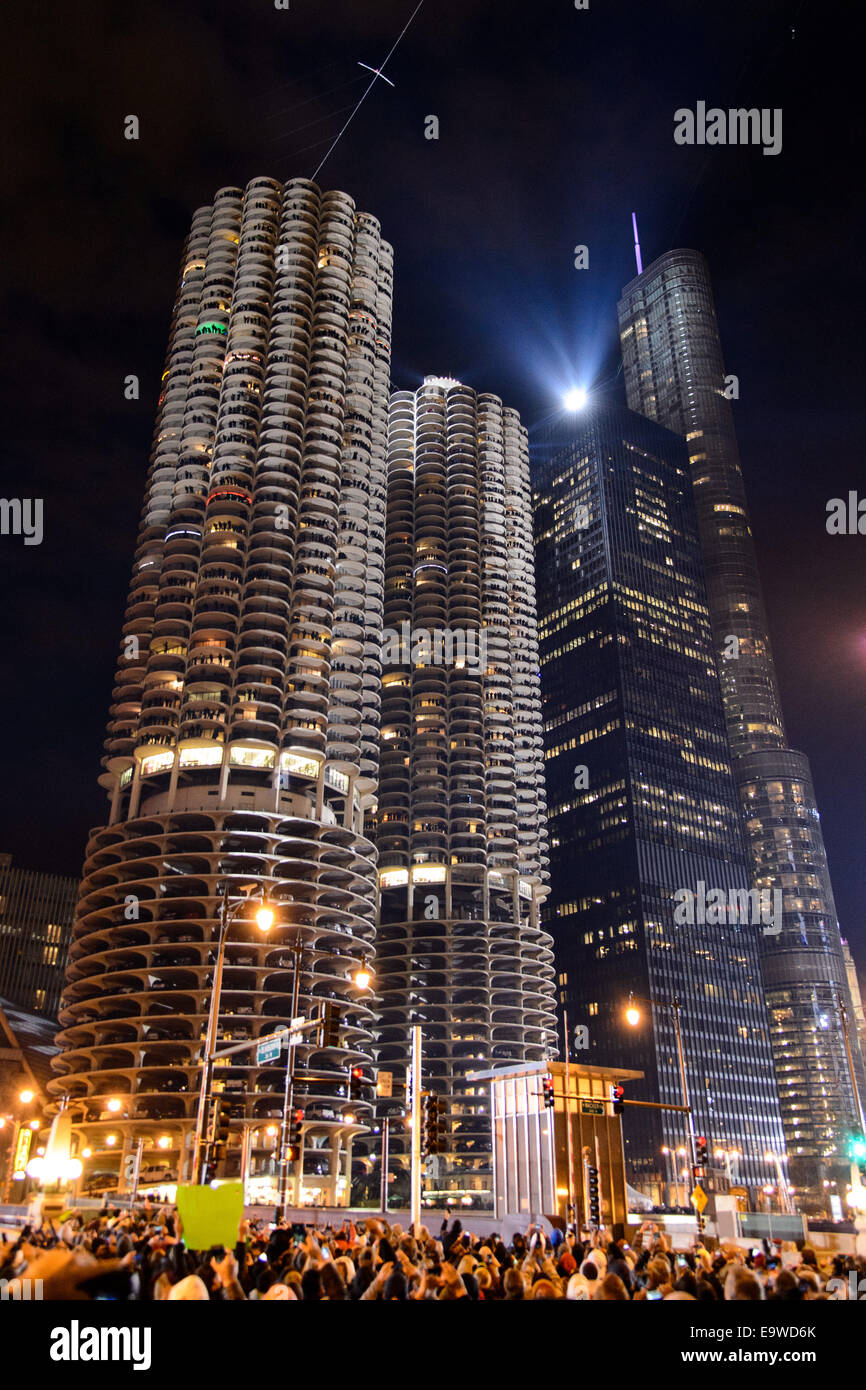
pixel 369 89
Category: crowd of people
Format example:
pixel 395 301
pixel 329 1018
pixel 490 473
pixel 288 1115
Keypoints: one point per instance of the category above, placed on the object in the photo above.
pixel 140 1254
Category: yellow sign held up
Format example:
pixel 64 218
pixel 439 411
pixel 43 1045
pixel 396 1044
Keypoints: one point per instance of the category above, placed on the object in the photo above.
pixel 211 1215
pixel 699 1199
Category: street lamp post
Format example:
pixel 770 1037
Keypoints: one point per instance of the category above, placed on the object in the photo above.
pixel 289 1088
pixel 228 914
pixel 25 1097
pixel 633 1018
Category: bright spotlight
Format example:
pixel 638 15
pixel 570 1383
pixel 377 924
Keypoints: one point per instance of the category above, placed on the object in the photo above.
pixel 575 399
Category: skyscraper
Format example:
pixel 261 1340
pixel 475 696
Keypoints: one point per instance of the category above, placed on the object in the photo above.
pixel 644 821
pixel 243 741
pixel 674 374
pixel 460 826
pixel 36 911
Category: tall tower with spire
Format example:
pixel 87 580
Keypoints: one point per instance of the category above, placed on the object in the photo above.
pixel 674 373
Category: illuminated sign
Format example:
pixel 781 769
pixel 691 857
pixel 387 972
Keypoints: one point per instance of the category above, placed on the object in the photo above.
pixel 22 1153
pixel 241 756
pixel 157 762
pixel 202 757
pixel 393 878
pixel 211 327
pixel 428 873
pixel 524 888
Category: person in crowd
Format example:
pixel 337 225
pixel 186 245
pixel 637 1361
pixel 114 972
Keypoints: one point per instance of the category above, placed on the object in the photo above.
pixel 141 1254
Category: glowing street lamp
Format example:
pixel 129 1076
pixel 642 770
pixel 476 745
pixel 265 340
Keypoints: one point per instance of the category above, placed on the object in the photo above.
pixel 264 918
pixel 26 1097
pixel 576 398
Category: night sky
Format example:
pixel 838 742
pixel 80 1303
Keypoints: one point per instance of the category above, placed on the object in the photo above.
pixel 555 124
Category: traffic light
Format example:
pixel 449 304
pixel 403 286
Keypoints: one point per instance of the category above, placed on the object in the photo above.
pixel 330 1026
pixel 294 1136
pixel 547 1092
pixel 594 1196
pixel 431 1137
pixel 617 1095
pixel 356 1081
pixel 701 1152
pixel 222 1122
pixel 857 1152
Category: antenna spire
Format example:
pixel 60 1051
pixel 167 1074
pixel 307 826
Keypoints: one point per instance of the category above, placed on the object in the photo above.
pixel 636 244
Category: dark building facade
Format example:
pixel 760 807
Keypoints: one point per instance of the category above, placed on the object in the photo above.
pixel 36 914
pixel 674 374
pixel 641 799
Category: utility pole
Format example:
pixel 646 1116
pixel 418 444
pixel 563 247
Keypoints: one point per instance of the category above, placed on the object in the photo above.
pixel 204 1094
pixel 416 1129
pixel 570 1214
pixel 136 1172
pixel 385 1135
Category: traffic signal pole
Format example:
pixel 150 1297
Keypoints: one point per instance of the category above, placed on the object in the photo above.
pixel 385 1136
pixel 571 1212
pixel 288 1090
pixel 416 1130
pixel 686 1106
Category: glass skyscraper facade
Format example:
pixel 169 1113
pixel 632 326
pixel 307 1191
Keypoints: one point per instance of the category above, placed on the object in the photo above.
pixel 36 912
pixel 641 799
pixel 674 374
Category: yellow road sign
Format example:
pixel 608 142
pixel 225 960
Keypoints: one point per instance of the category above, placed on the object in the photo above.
pixel 699 1199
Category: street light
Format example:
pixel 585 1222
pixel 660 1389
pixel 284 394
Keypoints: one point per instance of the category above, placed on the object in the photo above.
pixel 264 921
pixel 632 1017
pixel 26 1096
pixel 265 917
